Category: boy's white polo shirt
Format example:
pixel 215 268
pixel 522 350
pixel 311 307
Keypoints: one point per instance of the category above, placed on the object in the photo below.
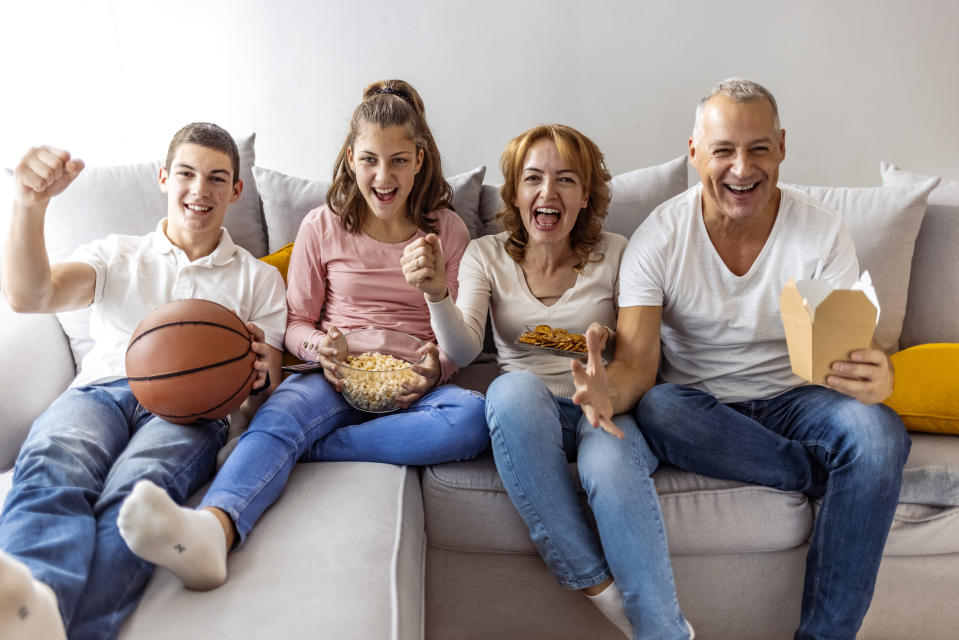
pixel 137 274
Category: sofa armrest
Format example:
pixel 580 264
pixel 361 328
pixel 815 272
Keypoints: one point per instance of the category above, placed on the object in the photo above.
pixel 35 366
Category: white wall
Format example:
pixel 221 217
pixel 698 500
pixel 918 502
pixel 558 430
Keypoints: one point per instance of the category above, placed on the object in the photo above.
pixel 857 81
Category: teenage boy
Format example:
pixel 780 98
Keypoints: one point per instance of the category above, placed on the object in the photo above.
pixel 64 569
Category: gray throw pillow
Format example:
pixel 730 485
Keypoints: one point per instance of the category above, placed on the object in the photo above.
pixel 633 196
pixel 287 200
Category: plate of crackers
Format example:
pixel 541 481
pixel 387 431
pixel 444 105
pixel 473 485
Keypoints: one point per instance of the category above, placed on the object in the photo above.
pixel 560 341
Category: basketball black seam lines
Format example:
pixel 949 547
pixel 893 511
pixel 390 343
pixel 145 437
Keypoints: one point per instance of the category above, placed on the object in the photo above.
pixel 200 413
pixel 180 323
pixel 185 372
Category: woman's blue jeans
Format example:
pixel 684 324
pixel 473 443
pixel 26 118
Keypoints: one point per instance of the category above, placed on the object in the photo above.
pixel 79 462
pixel 534 437
pixel 306 419
pixel 809 439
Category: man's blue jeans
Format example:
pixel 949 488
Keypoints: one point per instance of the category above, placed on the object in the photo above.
pixel 307 419
pixel 534 437
pixel 79 462
pixel 809 439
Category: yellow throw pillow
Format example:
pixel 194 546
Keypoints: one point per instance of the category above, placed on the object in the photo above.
pixel 280 259
pixel 926 395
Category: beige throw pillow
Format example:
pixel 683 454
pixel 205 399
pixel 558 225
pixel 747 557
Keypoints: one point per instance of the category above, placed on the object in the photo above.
pixel 883 222
pixel 933 306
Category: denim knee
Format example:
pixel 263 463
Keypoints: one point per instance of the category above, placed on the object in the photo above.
pixel 662 397
pixel 603 459
pixel 469 417
pixel 514 386
pixel 518 400
pixel 873 436
pixel 63 459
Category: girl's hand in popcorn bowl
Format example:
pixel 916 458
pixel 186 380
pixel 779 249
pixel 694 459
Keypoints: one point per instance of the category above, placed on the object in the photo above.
pixel 380 367
pixel 428 371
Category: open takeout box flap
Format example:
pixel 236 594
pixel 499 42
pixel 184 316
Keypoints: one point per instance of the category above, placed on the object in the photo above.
pixel 825 326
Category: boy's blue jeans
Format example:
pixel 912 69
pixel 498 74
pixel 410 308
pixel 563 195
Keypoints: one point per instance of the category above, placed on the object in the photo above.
pixel 79 462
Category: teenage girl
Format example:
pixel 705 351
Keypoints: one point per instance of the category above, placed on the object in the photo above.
pixel 388 191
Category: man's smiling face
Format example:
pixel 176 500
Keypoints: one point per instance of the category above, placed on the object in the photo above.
pixel 737 156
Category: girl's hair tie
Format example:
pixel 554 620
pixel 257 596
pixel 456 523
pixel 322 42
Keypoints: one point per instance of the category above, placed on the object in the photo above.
pixel 394 92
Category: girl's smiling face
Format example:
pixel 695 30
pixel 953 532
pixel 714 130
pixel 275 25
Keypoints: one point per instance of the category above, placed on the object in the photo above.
pixel 385 161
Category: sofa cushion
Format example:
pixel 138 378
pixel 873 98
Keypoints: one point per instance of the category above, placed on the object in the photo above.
pixel 931 474
pixel 927 518
pixel 883 222
pixel 926 522
pixel 467 509
pixel 340 555
pixel 126 199
pixel 287 199
pixel 633 196
pixel 933 307
pixel 926 394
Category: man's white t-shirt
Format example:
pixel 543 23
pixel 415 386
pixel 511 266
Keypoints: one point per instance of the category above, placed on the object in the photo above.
pixel 722 333
pixel 137 274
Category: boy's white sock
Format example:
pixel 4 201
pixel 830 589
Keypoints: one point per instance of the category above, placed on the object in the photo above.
pixel 610 603
pixel 188 542
pixel 28 607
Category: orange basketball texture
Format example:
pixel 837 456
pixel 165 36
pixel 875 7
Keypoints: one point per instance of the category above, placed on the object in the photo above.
pixel 190 359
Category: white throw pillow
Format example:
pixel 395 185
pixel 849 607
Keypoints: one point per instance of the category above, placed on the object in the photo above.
pixel 883 222
pixel 933 304
pixel 287 200
pixel 633 196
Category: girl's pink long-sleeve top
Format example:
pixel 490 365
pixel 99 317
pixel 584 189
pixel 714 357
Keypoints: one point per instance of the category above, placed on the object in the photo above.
pixel 352 281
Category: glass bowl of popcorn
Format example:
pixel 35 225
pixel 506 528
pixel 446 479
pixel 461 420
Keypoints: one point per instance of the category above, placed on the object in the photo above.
pixel 377 364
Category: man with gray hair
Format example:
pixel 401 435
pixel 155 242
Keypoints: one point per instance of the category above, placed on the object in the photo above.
pixel 699 288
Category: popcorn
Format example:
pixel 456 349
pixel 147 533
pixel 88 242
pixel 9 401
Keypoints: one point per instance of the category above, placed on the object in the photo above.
pixel 374 379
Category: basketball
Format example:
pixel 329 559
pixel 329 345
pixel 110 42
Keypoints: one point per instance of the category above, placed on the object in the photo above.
pixel 189 360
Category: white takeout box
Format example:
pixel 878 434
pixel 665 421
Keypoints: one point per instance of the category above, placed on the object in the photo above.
pixel 824 325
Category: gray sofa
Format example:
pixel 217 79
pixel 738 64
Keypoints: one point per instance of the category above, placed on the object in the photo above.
pixel 363 550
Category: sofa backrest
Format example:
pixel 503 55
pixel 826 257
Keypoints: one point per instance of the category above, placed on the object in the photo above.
pixel 126 199
pixel 633 196
pixel 916 287
pixel 932 310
